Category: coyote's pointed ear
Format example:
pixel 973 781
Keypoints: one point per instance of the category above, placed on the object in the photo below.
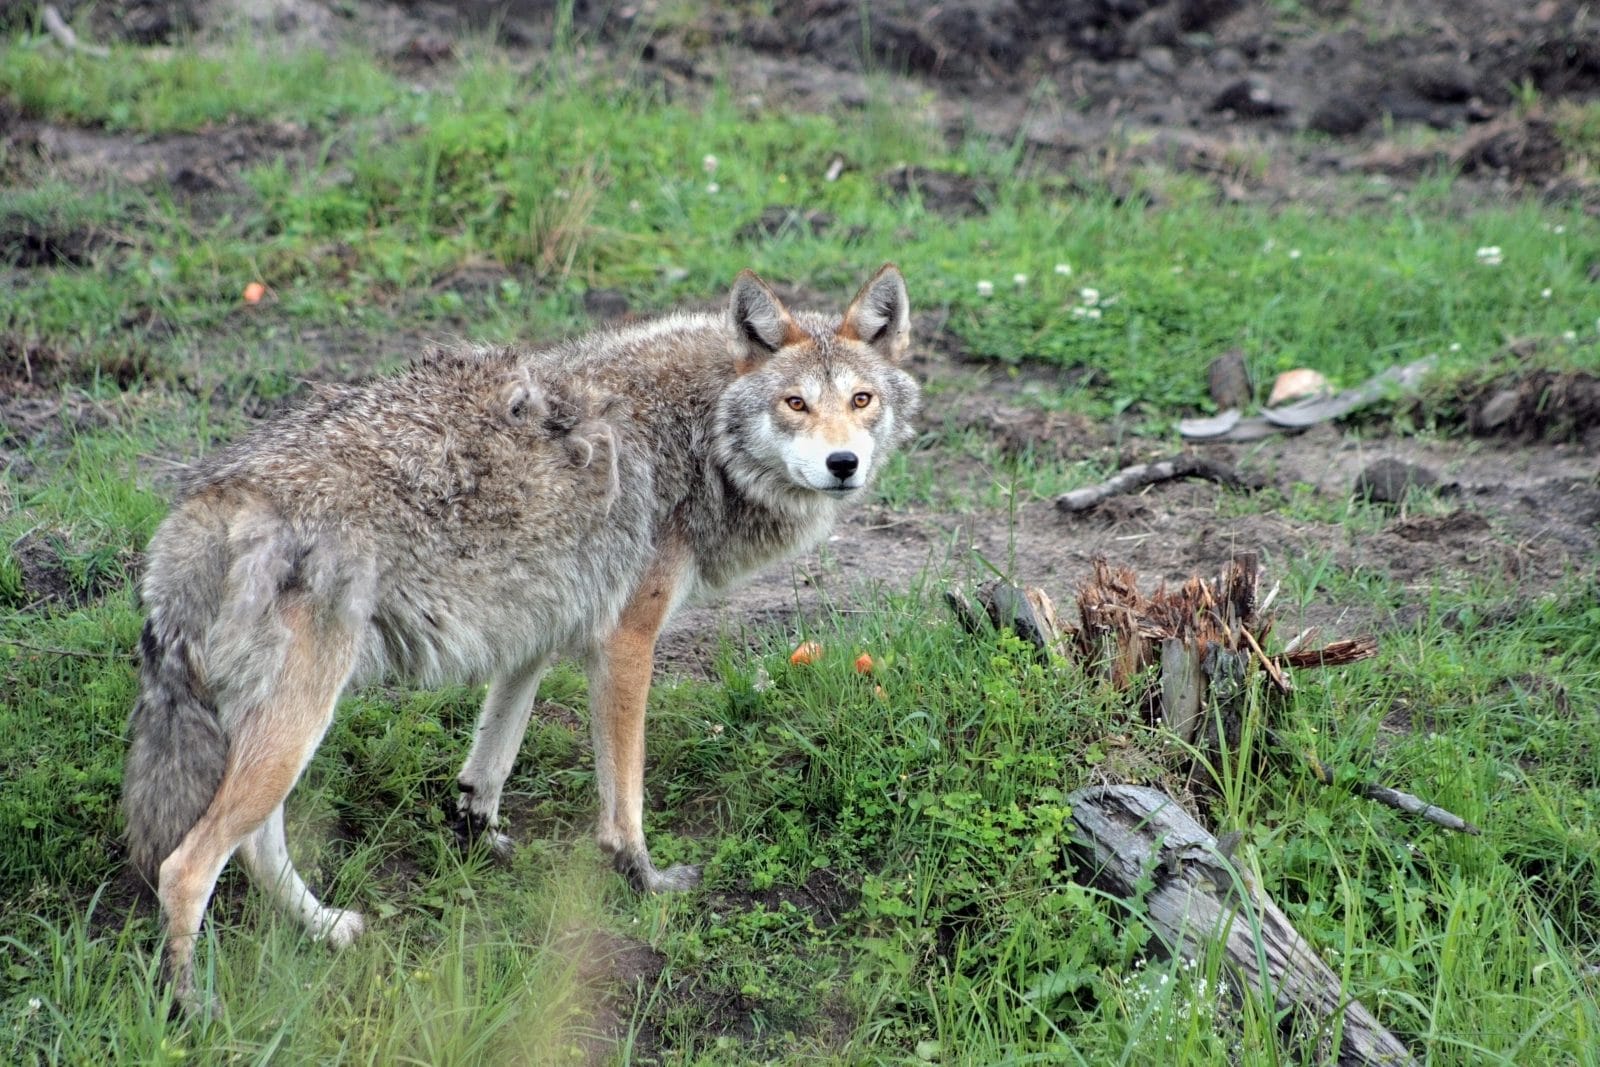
pixel 880 315
pixel 761 323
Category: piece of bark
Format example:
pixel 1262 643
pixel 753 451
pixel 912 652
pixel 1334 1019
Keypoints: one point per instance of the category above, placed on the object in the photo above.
pixel 1228 378
pixel 1336 654
pixel 1126 837
pixel 1182 688
pixel 1025 610
pixel 1143 474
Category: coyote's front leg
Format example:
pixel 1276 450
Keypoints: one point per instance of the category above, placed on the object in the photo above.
pixel 619 685
pixel 495 741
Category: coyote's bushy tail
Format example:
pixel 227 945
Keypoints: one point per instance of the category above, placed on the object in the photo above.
pixel 179 747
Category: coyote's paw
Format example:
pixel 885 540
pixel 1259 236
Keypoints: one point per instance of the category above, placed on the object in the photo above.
pixel 644 877
pixel 675 879
pixel 193 1005
pixel 338 928
pixel 473 830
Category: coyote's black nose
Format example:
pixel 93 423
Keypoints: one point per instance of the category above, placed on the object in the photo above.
pixel 843 464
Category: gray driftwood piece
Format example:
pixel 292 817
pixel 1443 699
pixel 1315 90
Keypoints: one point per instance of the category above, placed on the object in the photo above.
pixel 1125 834
pixel 1142 474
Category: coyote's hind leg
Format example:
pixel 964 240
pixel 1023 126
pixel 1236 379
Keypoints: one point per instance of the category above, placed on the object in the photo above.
pixel 269 744
pixel 266 854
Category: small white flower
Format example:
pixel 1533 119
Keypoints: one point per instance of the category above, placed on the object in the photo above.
pixel 1079 312
pixel 1559 230
pixel 1019 280
pixel 634 207
pixel 1094 313
pixel 1294 253
pixel 713 188
pixel 709 164
pixel 1490 256
pixel 1570 335
pixel 1455 346
pixel 1090 296
pixel 986 288
pixel 1064 269
pixel 1545 293
pixel 34 1004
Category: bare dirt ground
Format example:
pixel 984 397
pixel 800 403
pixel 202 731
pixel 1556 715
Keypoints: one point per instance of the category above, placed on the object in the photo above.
pixel 1100 88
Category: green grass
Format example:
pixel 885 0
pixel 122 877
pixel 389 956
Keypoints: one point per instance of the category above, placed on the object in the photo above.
pixel 886 878
pixel 525 173
pixel 184 89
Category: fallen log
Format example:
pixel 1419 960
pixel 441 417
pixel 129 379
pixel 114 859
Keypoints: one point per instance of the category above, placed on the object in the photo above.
pixel 1129 837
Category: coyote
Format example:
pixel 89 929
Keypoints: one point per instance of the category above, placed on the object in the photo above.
pixel 475 517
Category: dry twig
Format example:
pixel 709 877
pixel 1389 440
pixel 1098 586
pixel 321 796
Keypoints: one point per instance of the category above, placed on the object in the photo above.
pixel 1397 799
pixel 1143 474
pixel 45 650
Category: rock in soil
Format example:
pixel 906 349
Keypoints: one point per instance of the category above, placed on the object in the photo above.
pixel 1389 480
pixel 1229 380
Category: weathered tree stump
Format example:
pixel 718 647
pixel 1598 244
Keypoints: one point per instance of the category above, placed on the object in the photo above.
pixel 1200 642
pixel 1125 835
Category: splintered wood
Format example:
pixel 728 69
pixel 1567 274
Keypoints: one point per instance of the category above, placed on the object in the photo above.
pixel 1192 655
pixel 1202 636
pixel 1187 653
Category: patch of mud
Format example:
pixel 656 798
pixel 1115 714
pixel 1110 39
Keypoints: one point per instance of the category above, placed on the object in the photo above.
pixel 1219 87
pixel 620 971
pixel 56 571
pixel 29 242
pixel 940 191
pixel 204 171
pixel 623 972
pixel 29 367
pixel 824 897
pixel 1541 404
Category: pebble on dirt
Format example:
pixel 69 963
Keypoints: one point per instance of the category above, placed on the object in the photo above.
pixel 1389 480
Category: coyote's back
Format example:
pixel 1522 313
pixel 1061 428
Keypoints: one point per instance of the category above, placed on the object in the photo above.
pixel 450 523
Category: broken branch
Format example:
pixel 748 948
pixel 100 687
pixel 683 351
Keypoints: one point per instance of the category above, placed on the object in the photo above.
pixel 1397 799
pixel 1140 475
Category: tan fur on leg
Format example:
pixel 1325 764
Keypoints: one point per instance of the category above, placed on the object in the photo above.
pixel 269 747
pixel 620 689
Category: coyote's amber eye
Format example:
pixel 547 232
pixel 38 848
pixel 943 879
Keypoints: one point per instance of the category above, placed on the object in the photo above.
pixel 861 400
pixel 795 403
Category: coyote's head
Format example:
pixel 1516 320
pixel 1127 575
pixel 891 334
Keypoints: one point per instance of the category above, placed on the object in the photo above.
pixel 818 404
